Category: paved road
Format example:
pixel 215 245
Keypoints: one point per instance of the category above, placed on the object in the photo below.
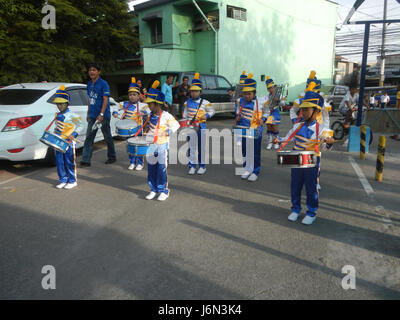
pixel 216 237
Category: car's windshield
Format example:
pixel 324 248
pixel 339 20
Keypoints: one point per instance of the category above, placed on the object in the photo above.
pixel 20 96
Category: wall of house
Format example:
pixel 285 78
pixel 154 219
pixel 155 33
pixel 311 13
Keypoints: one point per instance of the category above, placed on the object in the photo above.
pixel 283 39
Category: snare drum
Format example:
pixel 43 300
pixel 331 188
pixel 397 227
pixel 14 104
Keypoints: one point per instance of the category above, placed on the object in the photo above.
pixel 297 159
pixel 185 123
pixel 245 132
pixel 55 141
pixel 141 146
pixel 126 128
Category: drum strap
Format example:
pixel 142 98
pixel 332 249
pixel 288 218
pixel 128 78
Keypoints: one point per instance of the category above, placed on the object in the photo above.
pixel 158 126
pixel 299 116
pixel 291 137
pixel 125 110
pixel 47 129
pixel 198 107
pixel 240 111
pixel 141 128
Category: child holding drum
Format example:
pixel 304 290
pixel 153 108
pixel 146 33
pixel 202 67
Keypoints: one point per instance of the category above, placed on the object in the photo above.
pixel 249 126
pixel 199 110
pixel 308 135
pixel 68 124
pixel 161 125
pixel 134 110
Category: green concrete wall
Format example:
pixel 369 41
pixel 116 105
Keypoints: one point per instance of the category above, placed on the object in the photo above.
pixel 283 39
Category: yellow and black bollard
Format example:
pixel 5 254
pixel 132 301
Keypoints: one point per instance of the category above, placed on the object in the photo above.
pixel 380 159
pixel 363 136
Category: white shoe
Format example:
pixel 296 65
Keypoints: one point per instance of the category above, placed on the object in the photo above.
pixel 163 197
pixel 139 167
pixel 269 146
pixel 192 171
pixel 151 195
pixel 201 171
pixel 245 175
pixel 71 185
pixel 61 185
pixel 253 177
pixel 131 166
pixel 293 216
pixel 276 146
pixel 308 220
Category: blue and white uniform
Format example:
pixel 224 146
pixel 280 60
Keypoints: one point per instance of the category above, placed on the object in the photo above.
pixel 306 140
pixel 67 123
pixel 249 118
pixel 190 109
pixel 134 111
pixel 157 164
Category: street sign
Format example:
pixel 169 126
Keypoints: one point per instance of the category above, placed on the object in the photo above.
pixel 384 121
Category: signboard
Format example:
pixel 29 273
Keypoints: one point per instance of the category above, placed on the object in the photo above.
pixel 383 121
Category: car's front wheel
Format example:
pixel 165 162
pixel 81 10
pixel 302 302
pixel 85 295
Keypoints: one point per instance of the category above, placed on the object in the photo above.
pixel 50 158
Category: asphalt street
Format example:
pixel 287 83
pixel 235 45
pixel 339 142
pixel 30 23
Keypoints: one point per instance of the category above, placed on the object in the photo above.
pixel 216 237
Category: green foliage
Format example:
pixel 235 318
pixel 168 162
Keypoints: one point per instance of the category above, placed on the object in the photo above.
pixel 85 31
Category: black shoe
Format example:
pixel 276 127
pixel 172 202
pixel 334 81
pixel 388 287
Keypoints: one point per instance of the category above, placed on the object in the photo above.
pixel 109 161
pixel 85 164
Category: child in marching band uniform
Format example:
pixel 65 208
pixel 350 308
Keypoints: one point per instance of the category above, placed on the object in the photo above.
pixel 323 116
pixel 68 124
pixel 249 113
pixel 273 116
pixel 308 136
pixel 134 110
pixel 161 125
pixel 199 110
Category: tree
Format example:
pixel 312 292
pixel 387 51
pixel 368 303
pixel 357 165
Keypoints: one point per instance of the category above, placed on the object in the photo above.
pixel 86 31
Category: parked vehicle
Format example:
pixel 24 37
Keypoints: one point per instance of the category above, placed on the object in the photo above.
pixel 26 110
pixel 334 95
pixel 215 89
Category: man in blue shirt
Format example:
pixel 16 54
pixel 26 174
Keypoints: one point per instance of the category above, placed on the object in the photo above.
pixel 98 113
pixel 167 89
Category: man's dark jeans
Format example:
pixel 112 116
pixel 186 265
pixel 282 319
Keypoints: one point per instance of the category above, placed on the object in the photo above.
pixel 91 134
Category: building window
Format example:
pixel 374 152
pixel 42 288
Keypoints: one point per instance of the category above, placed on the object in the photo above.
pixel 236 13
pixel 156 31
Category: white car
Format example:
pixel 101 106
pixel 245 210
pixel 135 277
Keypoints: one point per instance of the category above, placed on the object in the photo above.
pixel 26 110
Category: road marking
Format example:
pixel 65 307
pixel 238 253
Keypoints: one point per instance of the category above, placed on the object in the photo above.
pixel 18 177
pixel 367 187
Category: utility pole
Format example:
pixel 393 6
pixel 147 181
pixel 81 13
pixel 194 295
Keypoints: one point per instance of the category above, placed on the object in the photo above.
pixel 382 75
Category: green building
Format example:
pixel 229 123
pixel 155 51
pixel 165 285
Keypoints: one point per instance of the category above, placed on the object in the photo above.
pixel 283 39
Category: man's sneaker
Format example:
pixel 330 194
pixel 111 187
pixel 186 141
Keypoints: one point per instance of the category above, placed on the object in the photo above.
pixel 151 195
pixel 253 177
pixel 192 171
pixel 71 185
pixel 308 220
pixel 269 146
pixel 201 171
pixel 276 146
pixel 163 197
pixel 246 174
pixel 293 216
pixel 109 161
pixel 139 167
pixel 131 166
pixel 84 164
pixel 61 185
